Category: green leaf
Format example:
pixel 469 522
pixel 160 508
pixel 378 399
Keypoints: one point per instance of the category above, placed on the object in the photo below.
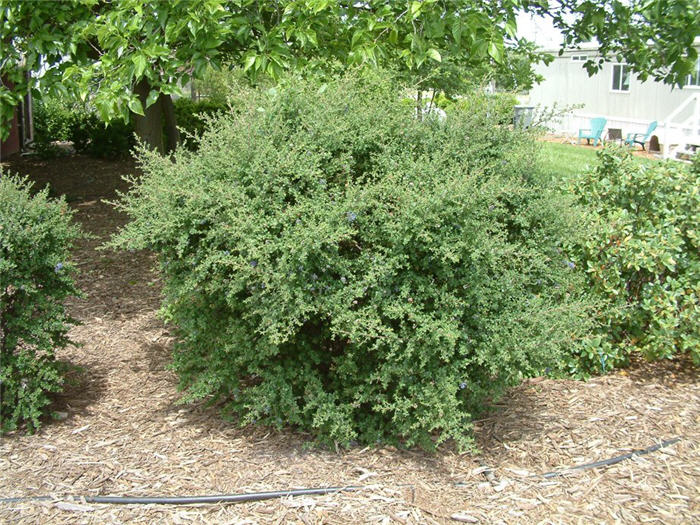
pixel 139 65
pixel 249 61
pixel 356 37
pixel 496 52
pixel 415 8
pixel 511 28
pixel 135 106
pixel 151 99
pixel 434 54
pixel 104 111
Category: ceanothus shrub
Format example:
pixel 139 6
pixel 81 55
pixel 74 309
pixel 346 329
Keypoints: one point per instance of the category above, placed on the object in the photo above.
pixel 36 235
pixel 335 264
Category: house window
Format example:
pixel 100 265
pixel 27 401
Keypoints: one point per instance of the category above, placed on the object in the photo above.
pixel 579 58
pixel 620 77
pixel 694 77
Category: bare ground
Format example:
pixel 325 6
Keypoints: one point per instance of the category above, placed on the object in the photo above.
pixel 122 432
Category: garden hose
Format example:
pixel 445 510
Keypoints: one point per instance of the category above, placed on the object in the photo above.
pixel 260 496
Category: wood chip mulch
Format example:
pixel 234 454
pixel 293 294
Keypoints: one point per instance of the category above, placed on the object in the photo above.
pixel 122 433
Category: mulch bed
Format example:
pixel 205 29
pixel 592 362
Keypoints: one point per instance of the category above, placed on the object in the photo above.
pixel 122 432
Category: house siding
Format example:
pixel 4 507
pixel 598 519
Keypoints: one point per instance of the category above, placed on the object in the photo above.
pixel 567 83
pixel 10 145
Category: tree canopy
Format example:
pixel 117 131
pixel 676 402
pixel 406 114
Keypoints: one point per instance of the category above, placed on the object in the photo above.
pixel 130 56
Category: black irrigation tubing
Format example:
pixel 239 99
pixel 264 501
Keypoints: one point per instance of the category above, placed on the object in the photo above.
pixel 260 496
pixel 612 461
pixel 192 500
pixel 597 464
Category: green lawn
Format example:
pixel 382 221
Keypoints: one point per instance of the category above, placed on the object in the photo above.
pixel 565 160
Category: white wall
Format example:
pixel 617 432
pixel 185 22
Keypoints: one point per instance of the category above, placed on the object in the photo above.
pixel 567 83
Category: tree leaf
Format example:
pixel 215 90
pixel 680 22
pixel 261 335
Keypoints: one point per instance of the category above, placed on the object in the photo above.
pixel 151 99
pixel 356 37
pixel 415 8
pixel 434 54
pixel 495 52
pixel 135 106
pixel 139 65
pixel 249 61
pixel 511 28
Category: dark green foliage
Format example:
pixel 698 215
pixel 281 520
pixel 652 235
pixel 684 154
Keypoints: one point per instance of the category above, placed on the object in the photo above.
pixel 643 258
pixel 333 263
pixel 58 119
pixel 94 137
pixel 191 117
pixel 498 105
pixel 36 234
pixel 52 119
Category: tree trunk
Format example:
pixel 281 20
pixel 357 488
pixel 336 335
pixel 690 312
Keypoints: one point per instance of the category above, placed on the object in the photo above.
pixel 172 133
pixel 149 128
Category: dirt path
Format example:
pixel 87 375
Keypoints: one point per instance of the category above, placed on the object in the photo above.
pixel 123 433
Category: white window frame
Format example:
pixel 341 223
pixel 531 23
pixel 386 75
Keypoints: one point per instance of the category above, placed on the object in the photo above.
pixel 688 85
pixel 612 78
pixel 579 58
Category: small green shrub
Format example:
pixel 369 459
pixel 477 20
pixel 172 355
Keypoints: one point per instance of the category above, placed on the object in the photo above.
pixel 643 259
pixel 333 263
pixel 52 118
pixel 36 234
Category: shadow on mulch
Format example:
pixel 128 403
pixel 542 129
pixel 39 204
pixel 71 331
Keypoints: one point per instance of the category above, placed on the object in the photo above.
pixel 158 355
pixel 520 416
pixel 83 387
pixel 81 177
pixel 679 370
pixel 538 408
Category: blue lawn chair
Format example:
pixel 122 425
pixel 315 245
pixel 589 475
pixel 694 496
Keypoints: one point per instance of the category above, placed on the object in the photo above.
pixel 640 138
pixel 595 131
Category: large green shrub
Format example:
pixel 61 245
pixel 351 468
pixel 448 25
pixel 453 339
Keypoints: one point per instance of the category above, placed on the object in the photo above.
pixel 333 263
pixel 644 258
pixel 36 234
